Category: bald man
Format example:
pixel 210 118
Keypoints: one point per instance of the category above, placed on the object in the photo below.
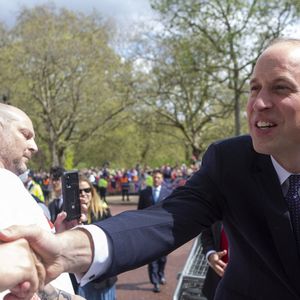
pixel 17 205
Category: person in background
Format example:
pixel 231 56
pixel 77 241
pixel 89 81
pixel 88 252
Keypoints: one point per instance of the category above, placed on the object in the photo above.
pixel 148 197
pixel 56 201
pixel 215 249
pixel 97 210
pixel 102 186
pixel 124 180
pixel 45 187
pixel 33 187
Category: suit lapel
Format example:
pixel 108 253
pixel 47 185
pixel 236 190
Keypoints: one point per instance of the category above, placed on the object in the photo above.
pixel 163 193
pixel 278 218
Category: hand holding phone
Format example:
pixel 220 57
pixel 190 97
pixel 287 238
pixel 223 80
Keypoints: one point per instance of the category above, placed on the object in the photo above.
pixel 70 192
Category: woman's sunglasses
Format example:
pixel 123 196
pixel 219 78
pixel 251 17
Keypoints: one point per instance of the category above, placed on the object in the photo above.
pixel 88 190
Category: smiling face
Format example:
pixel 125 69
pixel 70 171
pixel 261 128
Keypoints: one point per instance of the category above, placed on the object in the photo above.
pixel 273 107
pixel 17 139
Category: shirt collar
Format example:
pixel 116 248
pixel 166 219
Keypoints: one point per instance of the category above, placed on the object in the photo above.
pixel 157 188
pixel 281 172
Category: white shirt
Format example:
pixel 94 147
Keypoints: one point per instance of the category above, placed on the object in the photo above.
pixel 19 208
pixel 156 192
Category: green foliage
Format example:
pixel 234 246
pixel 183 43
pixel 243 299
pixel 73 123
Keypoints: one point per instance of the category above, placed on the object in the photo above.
pixel 187 87
pixel 67 77
pixel 69 159
pixel 206 59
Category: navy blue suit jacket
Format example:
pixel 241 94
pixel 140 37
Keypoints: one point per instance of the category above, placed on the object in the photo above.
pixel 239 187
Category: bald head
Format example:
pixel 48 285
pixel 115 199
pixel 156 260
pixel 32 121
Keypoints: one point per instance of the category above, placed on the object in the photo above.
pixel 290 41
pixel 10 113
pixel 286 48
pixel 16 139
pixel 273 107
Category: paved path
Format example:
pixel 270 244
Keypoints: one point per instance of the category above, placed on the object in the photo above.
pixel 134 285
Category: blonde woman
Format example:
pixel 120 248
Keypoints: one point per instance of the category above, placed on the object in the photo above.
pixel 96 210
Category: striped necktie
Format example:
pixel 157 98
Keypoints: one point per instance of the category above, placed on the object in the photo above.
pixel 293 201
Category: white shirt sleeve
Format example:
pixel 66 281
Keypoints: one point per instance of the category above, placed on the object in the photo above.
pixel 208 254
pixel 102 257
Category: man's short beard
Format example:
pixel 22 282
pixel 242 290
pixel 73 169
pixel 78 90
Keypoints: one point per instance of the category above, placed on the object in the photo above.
pixel 18 167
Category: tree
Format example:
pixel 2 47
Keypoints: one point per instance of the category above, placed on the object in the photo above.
pixel 183 93
pixel 69 76
pixel 235 31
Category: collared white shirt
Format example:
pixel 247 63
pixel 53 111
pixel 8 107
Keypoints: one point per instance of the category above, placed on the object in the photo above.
pixel 156 192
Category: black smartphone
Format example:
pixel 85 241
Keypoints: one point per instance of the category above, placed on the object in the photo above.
pixel 70 193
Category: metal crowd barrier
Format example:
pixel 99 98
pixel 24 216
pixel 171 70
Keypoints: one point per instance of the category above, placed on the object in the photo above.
pixel 191 279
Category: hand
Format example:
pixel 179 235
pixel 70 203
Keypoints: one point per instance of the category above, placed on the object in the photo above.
pixel 216 262
pixel 20 269
pixel 61 224
pixel 70 251
pixel 84 208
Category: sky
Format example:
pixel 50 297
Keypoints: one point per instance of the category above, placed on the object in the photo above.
pixel 122 10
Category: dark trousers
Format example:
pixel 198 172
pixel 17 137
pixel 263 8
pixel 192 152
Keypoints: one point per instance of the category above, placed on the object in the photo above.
pixel 125 193
pixel 156 269
pixel 102 192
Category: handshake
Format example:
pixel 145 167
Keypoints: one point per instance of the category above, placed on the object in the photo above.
pixel 31 257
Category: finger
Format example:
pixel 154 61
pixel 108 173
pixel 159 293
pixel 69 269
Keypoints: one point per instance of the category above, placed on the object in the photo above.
pixel 61 217
pixel 40 269
pixel 83 218
pixel 84 208
pixel 12 233
pixel 221 264
pixel 222 253
pixel 22 291
pixel 11 296
pixel 58 224
pixel 219 271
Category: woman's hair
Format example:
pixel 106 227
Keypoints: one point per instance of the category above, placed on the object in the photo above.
pixel 96 205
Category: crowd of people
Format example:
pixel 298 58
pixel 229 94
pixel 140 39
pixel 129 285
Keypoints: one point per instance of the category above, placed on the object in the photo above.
pixel 109 181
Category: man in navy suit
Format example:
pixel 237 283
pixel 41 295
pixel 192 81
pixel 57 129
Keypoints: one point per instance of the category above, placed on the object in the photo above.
pixel 247 182
pixel 148 197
